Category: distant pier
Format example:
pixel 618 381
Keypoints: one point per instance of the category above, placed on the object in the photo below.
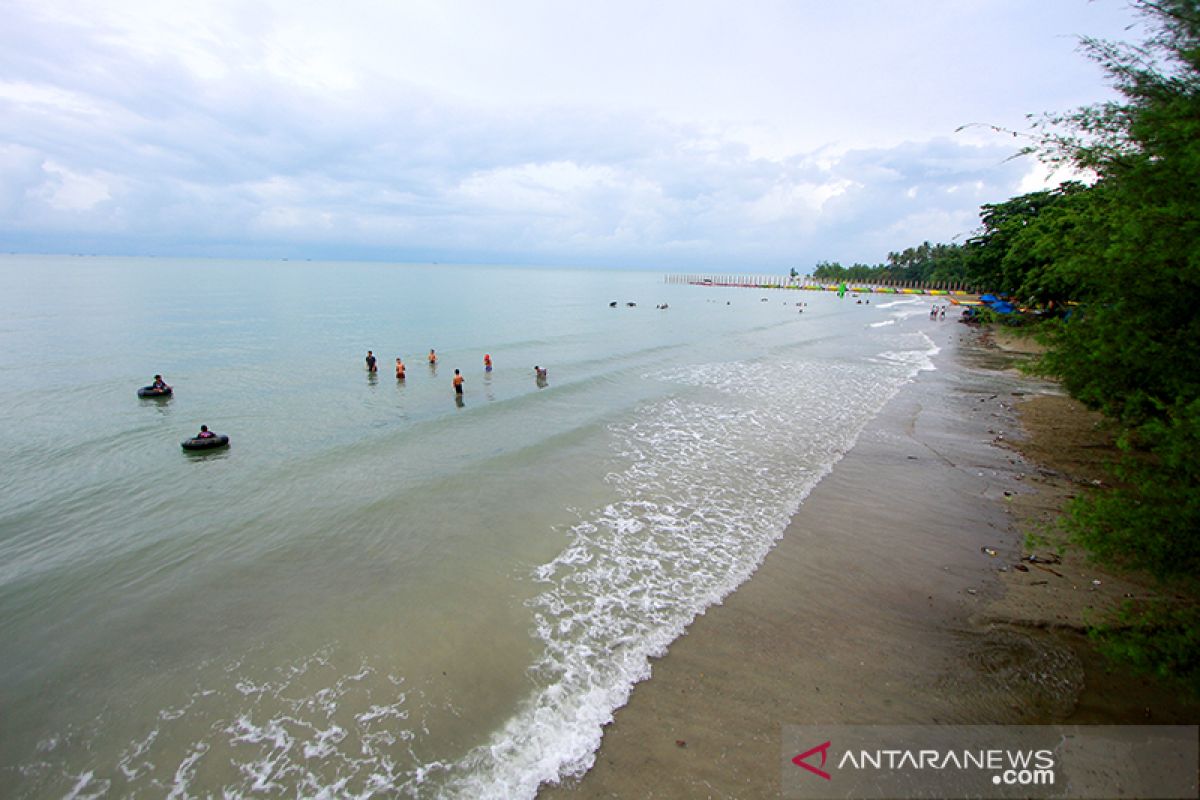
pixel 954 290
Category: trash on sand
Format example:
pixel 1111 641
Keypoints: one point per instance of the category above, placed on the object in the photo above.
pixel 1020 568
pixel 990 551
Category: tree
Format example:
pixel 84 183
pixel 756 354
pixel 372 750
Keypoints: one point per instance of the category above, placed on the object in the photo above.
pixel 1128 249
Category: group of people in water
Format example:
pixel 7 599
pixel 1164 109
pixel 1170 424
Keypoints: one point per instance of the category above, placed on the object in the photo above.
pixel 159 388
pixel 540 373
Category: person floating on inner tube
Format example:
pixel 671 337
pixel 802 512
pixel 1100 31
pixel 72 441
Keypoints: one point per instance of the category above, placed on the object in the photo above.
pixel 371 362
pixel 159 384
pixel 205 433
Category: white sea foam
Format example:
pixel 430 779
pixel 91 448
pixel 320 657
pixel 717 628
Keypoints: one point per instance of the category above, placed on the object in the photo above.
pixel 708 488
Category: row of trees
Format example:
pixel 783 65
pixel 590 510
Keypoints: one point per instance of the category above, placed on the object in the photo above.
pixel 1127 249
pixel 1005 256
pixel 1122 252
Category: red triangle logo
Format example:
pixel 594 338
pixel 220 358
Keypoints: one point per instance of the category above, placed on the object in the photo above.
pixel 800 761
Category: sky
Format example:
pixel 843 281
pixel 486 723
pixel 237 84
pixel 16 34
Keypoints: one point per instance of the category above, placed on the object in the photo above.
pixel 747 135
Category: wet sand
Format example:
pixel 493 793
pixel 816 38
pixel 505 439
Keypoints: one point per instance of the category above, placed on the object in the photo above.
pixel 893 598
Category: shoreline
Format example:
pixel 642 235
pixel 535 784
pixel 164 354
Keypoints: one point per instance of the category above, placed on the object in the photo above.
pixel 892 597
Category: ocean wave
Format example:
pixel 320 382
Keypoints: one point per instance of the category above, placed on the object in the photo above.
pixel 707 490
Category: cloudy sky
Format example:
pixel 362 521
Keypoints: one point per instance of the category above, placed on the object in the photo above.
pixel 740 134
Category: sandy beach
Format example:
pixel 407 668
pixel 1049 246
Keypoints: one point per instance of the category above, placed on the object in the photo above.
pixel 900 593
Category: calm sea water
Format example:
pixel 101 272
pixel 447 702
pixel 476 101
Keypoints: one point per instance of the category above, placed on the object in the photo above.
pixel 376 590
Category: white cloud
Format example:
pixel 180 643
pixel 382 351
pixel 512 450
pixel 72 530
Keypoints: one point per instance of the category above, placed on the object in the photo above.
pixel 66 190
pixel 586 132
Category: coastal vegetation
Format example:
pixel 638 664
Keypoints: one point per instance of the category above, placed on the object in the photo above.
pixel 1111 265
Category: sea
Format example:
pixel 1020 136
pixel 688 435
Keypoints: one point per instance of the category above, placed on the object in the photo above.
pixel 379 589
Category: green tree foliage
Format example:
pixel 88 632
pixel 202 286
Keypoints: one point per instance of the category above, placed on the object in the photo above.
pixel 1017 250
pixel 1128 250
pixel 927 264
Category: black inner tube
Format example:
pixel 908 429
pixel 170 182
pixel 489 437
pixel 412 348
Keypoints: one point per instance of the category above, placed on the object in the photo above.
pixel 150 391
pixel 207 443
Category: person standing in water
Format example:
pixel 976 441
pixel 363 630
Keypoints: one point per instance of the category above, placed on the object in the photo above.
pixel 371 362
pixel 432 357
pixel 487 362
pixel 458 382
pixel 399 369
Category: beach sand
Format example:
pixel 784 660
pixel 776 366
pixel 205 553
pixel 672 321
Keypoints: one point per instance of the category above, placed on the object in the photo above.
pixel 883 602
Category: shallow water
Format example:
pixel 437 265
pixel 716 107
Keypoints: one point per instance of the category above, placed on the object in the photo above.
pixel 374 589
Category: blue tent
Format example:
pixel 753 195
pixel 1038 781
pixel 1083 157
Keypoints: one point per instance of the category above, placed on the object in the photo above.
pixel 988 298
pixel 1002 307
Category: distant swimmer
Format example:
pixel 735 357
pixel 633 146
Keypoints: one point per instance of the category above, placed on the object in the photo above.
pixel 159 384
pixel 432 357
pixel 371 362
pixel 540 372
pixel 458 382
pixel 487 362
pixel 399 369
pixel 205 433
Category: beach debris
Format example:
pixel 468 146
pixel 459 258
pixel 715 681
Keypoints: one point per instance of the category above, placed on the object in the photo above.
pixel 1044 568
pixel 1036 559
pixel 1095 582
pixel 680 743
pixel 972 591
pixel 991 551
pixel 1039 583
pixel 1020 568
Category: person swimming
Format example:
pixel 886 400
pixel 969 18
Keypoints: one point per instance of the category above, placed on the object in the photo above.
pixel 432 357
pixel 487 362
